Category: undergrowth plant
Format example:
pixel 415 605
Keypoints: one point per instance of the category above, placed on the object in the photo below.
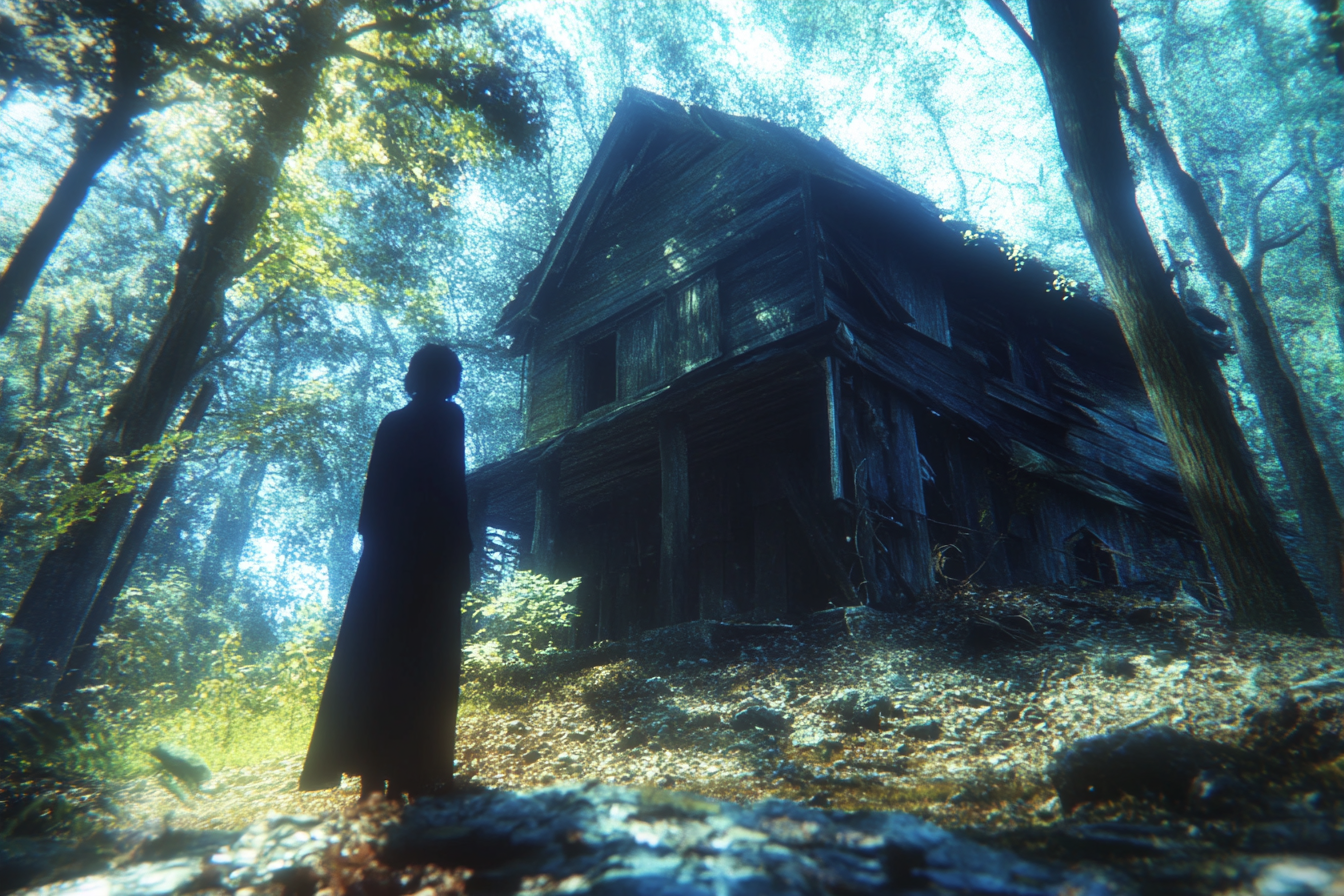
pixel 198 682
pixel 517 620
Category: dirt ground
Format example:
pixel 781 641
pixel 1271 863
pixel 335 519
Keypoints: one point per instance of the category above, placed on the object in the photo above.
pixel 1009 677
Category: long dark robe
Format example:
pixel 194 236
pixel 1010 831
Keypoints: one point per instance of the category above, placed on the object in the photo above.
pixel 389 709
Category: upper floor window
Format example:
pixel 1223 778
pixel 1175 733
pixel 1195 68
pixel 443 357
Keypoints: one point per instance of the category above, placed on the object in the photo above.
pixel 662 339
pixel 599 373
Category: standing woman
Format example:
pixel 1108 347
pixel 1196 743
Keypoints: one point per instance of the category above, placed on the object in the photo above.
pixel 389 709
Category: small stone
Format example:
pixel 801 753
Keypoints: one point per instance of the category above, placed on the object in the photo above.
pixel 1119 667
pixel 1297 877
pixel 858 709
pixel 808 737
pixel 632 738
pixel 531 756
pixel 926 730
pixel 898 682
pixel 515 727
pixel 762 717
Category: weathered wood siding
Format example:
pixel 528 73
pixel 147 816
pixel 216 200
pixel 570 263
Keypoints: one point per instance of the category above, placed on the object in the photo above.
pixel 871 277
pixel 683 209
pixel 920 292
pixel 639 358
pixel 707 234
pixel 693 325
pixel 549 390
pixel 764 291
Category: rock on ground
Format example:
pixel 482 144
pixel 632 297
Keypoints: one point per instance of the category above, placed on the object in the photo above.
pixel 596 838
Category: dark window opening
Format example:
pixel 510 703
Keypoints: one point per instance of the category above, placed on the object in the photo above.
pixel 1093 560
pixel 599 373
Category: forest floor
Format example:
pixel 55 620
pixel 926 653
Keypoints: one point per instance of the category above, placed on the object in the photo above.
pixel 985 690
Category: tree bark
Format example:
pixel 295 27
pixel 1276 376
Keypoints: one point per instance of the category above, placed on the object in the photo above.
pixel 1268 371
pixel 133 52
pixel 47 622
pixel 229 530
pixel 1075 46
pixel 85 652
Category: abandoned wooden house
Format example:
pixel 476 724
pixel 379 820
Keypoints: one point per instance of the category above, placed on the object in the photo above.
pixel 762 379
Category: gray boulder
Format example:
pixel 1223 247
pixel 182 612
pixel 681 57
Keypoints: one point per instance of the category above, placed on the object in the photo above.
pixel 762 717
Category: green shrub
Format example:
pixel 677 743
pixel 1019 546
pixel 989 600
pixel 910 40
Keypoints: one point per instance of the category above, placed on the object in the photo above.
pixel 518 620
pixel 193 679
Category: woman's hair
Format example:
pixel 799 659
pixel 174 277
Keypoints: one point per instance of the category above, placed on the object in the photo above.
pixel 434 371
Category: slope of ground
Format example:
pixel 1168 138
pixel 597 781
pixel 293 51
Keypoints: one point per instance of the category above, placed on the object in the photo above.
pixel 953 711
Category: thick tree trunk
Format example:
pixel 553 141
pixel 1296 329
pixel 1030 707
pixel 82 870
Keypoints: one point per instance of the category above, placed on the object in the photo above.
pixel 85 652
pixel 109 134
pixel 1075 42
pixel 47 622
pixel 1267 370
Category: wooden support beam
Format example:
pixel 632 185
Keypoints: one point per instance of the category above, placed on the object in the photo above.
pixel 548 508
pixel 674 560
pixel 906 483
pixel 836 446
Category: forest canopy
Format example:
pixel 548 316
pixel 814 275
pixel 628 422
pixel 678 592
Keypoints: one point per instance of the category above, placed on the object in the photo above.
pixel 420 156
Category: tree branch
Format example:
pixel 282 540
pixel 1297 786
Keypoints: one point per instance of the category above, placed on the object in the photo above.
pixel 1278 241
pixel 1001 9
pixel 415 23
pixel 1273 182
pixel 258 258
pixel 241 331
pixel 1256 245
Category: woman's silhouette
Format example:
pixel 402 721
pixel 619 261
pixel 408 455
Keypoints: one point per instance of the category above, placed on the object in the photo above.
pixel 389 709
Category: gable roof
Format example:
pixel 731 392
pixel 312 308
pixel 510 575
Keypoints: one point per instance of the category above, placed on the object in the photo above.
pixel 636 117
pixel 964 247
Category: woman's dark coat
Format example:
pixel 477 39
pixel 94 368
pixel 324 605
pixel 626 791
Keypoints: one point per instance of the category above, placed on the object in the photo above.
pixel 389 709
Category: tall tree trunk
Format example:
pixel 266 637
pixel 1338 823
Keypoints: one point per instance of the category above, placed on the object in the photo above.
pixel 1075 44
pixel 1266 367
pixel 47 622
pixel 133 49
pixel 229 530
pixel 85 652
pixel 1327 237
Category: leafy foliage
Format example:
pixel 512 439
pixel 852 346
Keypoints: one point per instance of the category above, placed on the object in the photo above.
pixel 524 617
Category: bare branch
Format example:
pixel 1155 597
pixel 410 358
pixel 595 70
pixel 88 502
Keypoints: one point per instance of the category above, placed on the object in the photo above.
pixel 1278 241
pixel 1273 182
pixel 240 331
pixel 1001 9
pixel 1256 245
pixel 258 258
